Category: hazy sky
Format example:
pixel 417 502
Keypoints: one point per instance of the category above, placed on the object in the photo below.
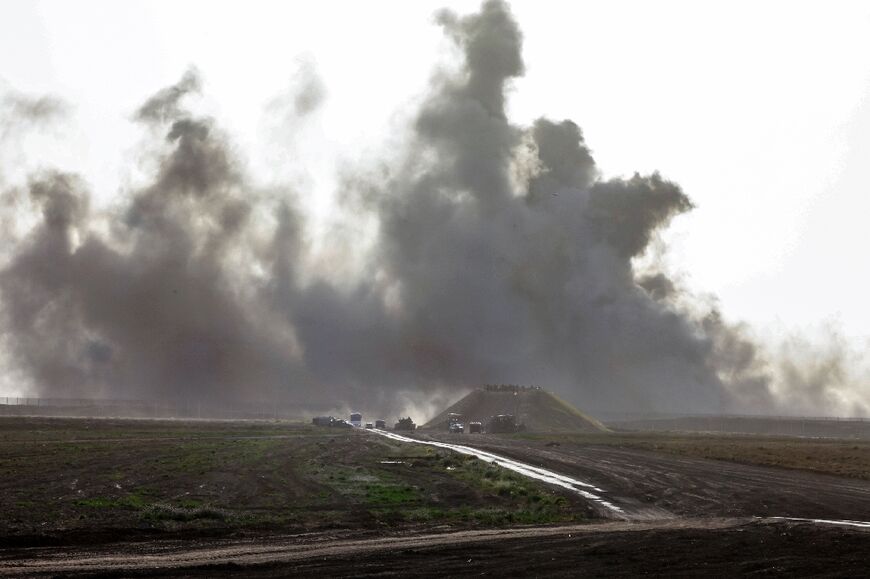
pixel 759 110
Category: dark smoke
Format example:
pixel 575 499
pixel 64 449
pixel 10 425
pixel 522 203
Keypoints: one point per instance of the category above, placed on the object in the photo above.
pixel 307 94
pixel 166 103
pixel 501 256
pixel 155 308
pixel 18 111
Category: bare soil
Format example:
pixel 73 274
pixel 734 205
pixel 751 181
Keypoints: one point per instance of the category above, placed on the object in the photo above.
pixel 840 457
pixel 85 481
pixel 272 499
pixel 688 547
pixel 763 425
pixel 664 484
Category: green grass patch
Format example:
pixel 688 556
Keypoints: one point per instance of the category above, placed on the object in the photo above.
pixel 132 501
pixel 391 494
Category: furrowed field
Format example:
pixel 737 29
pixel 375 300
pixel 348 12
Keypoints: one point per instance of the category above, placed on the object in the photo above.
pixel 90 479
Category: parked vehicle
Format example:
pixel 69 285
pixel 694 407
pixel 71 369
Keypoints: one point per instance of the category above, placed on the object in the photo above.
pixel 502 423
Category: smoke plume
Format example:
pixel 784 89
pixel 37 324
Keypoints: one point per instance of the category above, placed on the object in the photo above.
pixel 499 256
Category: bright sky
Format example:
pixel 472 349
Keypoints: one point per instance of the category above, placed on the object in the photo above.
pixel 760 110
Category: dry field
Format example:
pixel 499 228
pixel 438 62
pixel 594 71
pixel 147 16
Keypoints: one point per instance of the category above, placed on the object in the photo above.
pixel 101 497
pixel 841 457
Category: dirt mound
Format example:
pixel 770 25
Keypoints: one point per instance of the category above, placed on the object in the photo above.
pixel 538 410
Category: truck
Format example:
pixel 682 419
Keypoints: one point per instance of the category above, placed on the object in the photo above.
pixel 356 419
pixel 454 423
pixel 502 423
pixel 381 424
pixel 323 420
pixel 475 428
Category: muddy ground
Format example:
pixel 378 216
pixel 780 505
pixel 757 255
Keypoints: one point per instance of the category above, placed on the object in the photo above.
pixel 195 498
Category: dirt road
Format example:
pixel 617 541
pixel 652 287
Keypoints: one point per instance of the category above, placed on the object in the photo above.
pixel 612 548
pixel 175 555
pixel 589 492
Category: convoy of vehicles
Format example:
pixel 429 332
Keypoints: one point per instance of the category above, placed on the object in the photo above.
pixel 355 421
pixel 497 424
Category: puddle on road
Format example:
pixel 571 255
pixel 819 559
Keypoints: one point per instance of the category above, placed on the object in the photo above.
pixel 585 490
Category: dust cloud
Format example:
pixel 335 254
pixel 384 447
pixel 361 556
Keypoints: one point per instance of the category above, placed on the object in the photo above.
pixel 498 254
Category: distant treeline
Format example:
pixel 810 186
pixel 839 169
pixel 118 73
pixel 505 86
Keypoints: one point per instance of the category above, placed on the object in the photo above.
pixel 509 388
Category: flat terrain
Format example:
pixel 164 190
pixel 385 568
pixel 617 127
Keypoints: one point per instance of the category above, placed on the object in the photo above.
pixel 757 425
pixel 847 458
pixel 669 549
pixel 198 498
pixel 84 481
pixel 658 479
